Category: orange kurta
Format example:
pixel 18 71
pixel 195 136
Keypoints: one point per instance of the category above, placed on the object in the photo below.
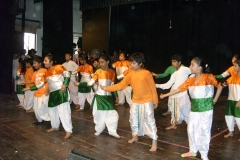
pixel 39 76
pixel 143 86
pixel 28 76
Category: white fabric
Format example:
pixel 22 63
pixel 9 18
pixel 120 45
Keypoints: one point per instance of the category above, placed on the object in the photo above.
pixel 70 66
pixel 230 122
pixel 63 112
pixel 106 117
pixel 199 132
pixel 82 98
pixel 103 82
pixel 176 79
pixel 142 120
pixel 125 93
pixel 234 92
pixel 21 99
pixel 29 100
pixel 120 70
pixel 73 89
pixel 40 108
pixel 206 91
pixel 15 67
pixel 55 82
pixel 180 108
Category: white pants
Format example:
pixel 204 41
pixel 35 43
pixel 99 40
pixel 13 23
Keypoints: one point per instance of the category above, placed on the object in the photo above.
pixel 21 99
pixel 180 108
pixel 63 112
pixel 105 117
pixel 82 98
pixel 142 120
pixel 40 108
pixel 73 90
pixel 199 132
pixel 126 92
pixel 230 122
pixel 29 99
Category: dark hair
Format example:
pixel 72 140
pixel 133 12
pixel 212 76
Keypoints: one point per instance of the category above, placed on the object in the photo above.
pixel 237 61
pixel 201 62
pixel 23 66
pixel 83 56
pixel 124 54
pixel 74 44
pixel 51 58
pixel 70 54
pixel 38 59
pixel 138 57
pixel 106 57
pixel 96 59
pixel 177 57
pixel 236 56
pixel 29 60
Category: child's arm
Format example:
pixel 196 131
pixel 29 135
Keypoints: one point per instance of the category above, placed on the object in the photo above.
pixel 168 84
pixel 170 93
pixel 167 72
pixel 219 90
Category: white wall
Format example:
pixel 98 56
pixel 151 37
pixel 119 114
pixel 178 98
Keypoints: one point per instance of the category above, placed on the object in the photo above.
pixel 77 24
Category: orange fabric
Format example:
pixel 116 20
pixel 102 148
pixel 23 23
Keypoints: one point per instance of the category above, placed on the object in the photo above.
pixel 20 71
pixel 143 85
pixel 234 79
pixel 57 69
pixel 28 76
pixel 124 63
pixel 206 79
pixel 85 68
pixel 39 76
pixel 231 71
pixel 102 74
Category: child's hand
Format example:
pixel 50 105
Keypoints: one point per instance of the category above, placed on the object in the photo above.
pixel 47 92
pixel 103 87
pixel 155 106
pixel 26 89
pixel 154 74
pixel 238 104
pixel 162 96
pixel 76 83
pixel 63 88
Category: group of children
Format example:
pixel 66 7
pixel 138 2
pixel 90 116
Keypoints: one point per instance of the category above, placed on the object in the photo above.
pixel 190 99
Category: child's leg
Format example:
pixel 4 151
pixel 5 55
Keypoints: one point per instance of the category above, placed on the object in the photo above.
pixel 168 111
pixel 173 106
pixel 73 90
pixel 65 117
pixel 99 119
pixel 81 100
pixel 43 108
pixel 36 105
pixel 133 119
pixel 112 122
pixel 28 103
pixel 230 124
pixel 128 93
pixel 184 108
pixel 121 97
pixel 21 99
pixel 54 118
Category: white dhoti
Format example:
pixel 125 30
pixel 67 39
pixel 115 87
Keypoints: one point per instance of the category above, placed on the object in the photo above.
pixel 29 100
pixel 125 93
pixel 180 108
pixel 73 89
pixel 63 112
pixel 40 108
pixel 199 132
pixel 105 117
pixel 82 98
pixel 21 99
pixel 142 120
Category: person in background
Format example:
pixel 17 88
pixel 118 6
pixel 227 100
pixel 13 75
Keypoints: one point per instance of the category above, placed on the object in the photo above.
pixel 15 66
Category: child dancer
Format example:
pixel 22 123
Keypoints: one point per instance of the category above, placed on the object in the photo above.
pixel 144 100
pixel 29 95
pixel 201 90
pixel 232 112
pixel 86 72
pixel 19 86
pixel 96 65
pixel 40 102
pixel 179 104
pixel 121 66
pixel 71 66
pixel 102 103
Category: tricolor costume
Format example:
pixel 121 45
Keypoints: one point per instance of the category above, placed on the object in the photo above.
pixel 86 72
pixel 122 66
pixel 179 104
pixel 72 66
pixel 232 112
pixel 40 102
pixel 142 119
pixel 103 104
pixel 19 86
pixel 229 72
pixel 29 95
pixel 201 114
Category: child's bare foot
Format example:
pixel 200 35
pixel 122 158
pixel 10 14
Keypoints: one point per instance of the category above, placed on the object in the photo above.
pixel 154 146
pixel 134 139
pixel 173 126
pixel 188 154
pixel 52 129
pixel 77 106
pixel 68 134
pixel 21 107
pixel 30 110
pixel 230 134
pixel 166 113
pixel 79 109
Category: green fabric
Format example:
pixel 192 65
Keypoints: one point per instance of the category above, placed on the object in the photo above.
pixel 170 70
pixel 201 105
pixel 57 97
pixel 84 88
pixel 231 109
pixel 96 68
pixel 219 76
pixel 66 81
pixel 19 89
pixel 115 94
pixel 33 88
pixel 103 102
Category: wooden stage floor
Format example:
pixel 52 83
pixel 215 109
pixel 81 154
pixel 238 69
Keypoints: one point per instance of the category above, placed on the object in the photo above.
pixel 20 140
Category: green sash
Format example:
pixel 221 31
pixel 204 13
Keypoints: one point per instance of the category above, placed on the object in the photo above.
pixel 103 102
pixel 201 105
pixel 84 88
pixel 19 89
pixel 231 109
pixel 57 97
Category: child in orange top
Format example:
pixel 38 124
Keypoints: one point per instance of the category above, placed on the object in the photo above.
pixel 40 94
pixel 144 100
pixel 28 102
pixel 121 66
